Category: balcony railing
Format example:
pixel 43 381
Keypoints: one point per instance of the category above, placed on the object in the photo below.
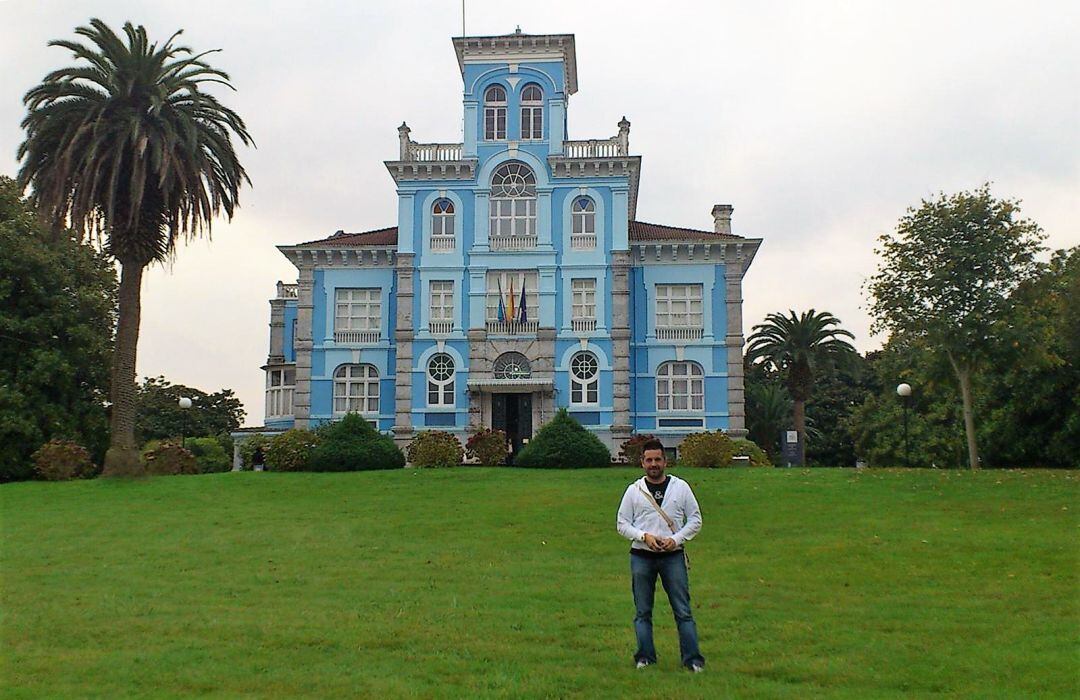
pixel 513 242
pixel 440 327
pixel 356 337
pixel 582 241
pixel 679 333
pixel 593 148
pixel 433 152
pixel 513 327
pixel 442 244
pixel 583 325
pixel 287 291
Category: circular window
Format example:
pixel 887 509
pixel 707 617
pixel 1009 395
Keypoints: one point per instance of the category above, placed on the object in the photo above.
pixel 513 180
pixel 441 367
pixel 512 365
pixel 583 366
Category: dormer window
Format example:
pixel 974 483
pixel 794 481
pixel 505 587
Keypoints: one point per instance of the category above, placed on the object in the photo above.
pixel 532 112
pixel 495 113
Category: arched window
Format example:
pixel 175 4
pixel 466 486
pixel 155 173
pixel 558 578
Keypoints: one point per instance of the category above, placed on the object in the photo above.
pixel 680 386
pixel 583 218
pixel 532 112
pixel 495 113
pixel 442 225
pixel 512 365
pixel 512 207
pixel 584 379
pixel 356 389
pixel 440 380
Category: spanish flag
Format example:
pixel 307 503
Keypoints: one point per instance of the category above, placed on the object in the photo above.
pixel 510 316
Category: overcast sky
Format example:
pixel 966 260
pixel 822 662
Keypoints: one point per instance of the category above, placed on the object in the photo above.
pixel 821 122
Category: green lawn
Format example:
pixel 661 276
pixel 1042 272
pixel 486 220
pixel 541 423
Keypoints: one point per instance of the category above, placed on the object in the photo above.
pixel 502 582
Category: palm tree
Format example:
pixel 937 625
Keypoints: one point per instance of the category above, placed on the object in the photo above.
pixel 126 148
pixel 799 347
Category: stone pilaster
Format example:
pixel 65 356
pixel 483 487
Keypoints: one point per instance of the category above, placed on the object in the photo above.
pixel 622 426
pixel 304 311
pixel 403 340
pixel 733 275
pixel 277 332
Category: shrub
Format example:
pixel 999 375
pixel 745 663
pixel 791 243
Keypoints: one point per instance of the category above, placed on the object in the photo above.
pixel 706 449
pixel 631 449
pixel 564 444
pixel 60 460
pixel 488 447
pixel 248 447
pixel 351 444
pixel 209 454
pixel 291 451
pixel 434 448
pixel 167 458
pixel 742 447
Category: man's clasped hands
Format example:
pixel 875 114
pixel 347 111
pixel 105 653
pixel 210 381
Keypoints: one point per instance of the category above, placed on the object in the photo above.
pixel 660 544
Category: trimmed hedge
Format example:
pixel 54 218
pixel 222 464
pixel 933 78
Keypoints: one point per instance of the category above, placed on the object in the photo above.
pixel 352 444
pixel 706 449
pixel 564 444
pixel 488 447
pixel 60 460
pixel 435 448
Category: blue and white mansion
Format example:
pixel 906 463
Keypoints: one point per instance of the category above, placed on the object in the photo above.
pixel 517 281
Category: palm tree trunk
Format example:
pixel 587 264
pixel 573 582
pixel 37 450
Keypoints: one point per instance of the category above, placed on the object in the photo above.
pixel 963 374
pixel 122 459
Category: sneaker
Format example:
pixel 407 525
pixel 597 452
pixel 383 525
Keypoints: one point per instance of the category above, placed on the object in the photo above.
pixel 642 663
pixel 696 668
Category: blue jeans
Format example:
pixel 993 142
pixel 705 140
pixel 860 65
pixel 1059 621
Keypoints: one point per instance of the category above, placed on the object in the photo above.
pixel 672 571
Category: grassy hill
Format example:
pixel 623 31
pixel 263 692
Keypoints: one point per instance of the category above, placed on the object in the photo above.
pixel 502 582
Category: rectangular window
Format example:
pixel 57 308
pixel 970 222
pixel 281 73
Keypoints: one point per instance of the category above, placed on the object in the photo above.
pixel 583 299
pixel 441 304
pixel 532 123
pixel 495 123
pixel 679 306
pixel 503 280
pixel 358 310
pixel 280 384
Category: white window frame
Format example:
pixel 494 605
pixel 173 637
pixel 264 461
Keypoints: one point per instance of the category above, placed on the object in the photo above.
pixel 532 113
pixel 512 207
pixel 279 392
pixel 680 306
pixel 584 386
pixel 441 306
pixel 441 388
pixel 583 303
pixel 673 398
pixel 358 309
pixel 442 225
pixel 529 278
pixel 495 113
pixel 356 390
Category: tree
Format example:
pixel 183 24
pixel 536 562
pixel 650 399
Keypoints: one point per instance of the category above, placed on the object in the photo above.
pixel 799 348
pixel 158 415
pixel 57 312
pixel 946 278
pixel 126 148
pixel 837 395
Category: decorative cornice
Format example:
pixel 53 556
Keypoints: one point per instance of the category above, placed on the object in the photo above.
pixel 368 256
pixel 407 170
pixel 739 253
pixel 514 48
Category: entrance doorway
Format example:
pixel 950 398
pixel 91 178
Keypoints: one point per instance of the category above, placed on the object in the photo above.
pixel 512 414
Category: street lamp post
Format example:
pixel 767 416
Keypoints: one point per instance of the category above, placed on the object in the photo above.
pixel 184 403
pixel 904 392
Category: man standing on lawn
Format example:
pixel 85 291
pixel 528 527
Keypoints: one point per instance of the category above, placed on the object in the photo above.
pixel 659 514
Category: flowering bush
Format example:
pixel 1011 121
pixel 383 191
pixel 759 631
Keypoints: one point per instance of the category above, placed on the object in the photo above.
pixel 167 458
pixel 434 448
pixel 631 449
pixel 59 460
pixel 747 448
pixel 291 451
pixel 706 449
pixel 487 447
